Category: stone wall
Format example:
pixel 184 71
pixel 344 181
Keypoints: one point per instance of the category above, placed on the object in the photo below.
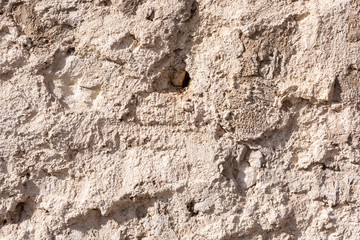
pixel 179 119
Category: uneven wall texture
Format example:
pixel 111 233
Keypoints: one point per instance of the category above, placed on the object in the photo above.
pixel 179 119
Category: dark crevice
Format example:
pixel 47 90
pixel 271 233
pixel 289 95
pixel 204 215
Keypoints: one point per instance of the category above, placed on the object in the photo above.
pixel 351 67
pixel 70 50
pixel 17 215
pixel 194 9
pixel 323 166
pixel 349 140
pixel 186 81
pixel 15 5
pixel 337 91
pixel 286 105
pixel 190 208
pixel 150 16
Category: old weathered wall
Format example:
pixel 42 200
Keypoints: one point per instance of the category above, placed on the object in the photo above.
pixel 179 119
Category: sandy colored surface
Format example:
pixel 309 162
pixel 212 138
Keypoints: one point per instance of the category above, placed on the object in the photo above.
pixel 179 119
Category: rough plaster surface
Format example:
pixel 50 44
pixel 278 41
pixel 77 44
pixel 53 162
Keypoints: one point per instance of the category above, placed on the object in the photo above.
pixel 179 119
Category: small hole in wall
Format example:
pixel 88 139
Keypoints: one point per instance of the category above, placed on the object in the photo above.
pixel 186 81
pixel 4 222
pixel 71 50
pixel 150 16
pixel 190 208
pixel 286 105
pixel 323 166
